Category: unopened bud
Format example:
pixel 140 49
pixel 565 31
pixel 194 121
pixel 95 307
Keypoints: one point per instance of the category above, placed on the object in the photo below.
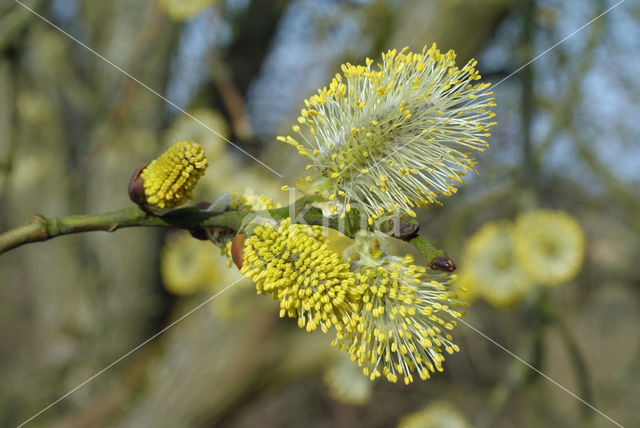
pixel 443 264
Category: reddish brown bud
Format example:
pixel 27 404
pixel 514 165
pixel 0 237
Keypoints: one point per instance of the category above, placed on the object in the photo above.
pixel 200 232
pixel 443 263
pixel 203 206
pixel 136 186
pixel 237 249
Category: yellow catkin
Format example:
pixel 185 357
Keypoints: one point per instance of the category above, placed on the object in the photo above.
pixel 550 245
pixel 251 202
pixel 169 180
pixel 490 267
pixel 241 202
pixel 187 265
pixel 181 10
pixel 403 319
pixel 293 263
pixel 345 382
pixel 436 414
pixel 395 135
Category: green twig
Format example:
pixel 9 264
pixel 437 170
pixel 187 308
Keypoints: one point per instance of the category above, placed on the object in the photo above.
pixel 428 251
pixel 42 228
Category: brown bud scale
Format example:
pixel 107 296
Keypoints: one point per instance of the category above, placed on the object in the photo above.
pixel 237 249
pixel 136 186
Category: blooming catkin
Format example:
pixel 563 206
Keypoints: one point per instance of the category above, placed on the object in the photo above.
pixel 490 266
pixel 294 264
pixel 435 414
pixel 186 264
pixel 169 180
pixel 345 382
pixel 403 320
pixel 550 245
pixel 393 137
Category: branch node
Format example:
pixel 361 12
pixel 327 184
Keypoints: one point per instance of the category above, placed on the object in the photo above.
pixel 39 218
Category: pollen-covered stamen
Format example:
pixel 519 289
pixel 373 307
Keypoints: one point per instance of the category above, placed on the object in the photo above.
pixel 251 202
pixel 403 320
pixel 169 180
pixel 395 136
pixel 311 281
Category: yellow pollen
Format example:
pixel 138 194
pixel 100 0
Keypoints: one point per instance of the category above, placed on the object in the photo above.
pixel 169 180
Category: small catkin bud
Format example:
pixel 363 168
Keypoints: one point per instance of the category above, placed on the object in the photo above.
pixel 169 180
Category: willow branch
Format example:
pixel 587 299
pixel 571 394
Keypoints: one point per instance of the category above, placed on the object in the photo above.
pixel 42 228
